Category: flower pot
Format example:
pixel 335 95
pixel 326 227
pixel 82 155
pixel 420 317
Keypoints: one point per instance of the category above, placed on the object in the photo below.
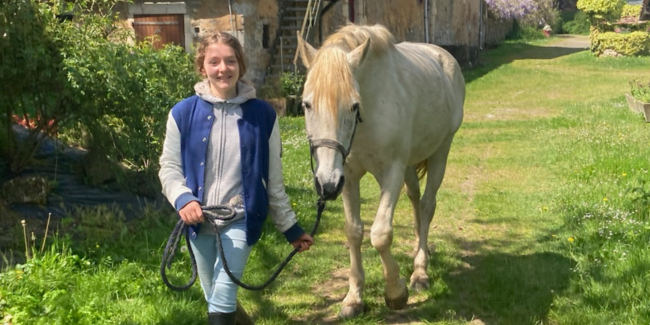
pixel 632 103
pixel 279 104
pixel 638 106
pixel 646 111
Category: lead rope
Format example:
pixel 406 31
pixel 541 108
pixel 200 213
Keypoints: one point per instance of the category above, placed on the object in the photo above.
pixel 212 214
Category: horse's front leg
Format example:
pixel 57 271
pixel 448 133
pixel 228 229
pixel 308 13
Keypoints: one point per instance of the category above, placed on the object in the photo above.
pixel 381 236
pixel 353 302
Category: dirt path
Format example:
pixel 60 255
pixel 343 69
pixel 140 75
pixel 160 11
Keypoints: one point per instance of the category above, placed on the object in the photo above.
pixel 571 42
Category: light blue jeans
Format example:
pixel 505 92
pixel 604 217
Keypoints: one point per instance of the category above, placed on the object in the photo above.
pixel 220 292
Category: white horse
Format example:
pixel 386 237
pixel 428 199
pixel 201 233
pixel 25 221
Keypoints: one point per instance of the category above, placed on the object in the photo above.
pixel 372 105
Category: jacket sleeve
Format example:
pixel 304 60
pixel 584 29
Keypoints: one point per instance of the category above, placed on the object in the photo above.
pixel 279 208
pixel 171 168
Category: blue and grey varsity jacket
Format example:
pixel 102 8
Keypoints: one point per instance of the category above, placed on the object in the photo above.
pixel 182 171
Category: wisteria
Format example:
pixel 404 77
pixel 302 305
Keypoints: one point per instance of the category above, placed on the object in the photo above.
pixel 511 9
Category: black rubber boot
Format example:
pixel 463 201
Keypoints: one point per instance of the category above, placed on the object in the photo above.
pixel 242 316
pixel 222 318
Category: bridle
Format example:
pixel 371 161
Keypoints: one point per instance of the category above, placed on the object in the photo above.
pixel 332 144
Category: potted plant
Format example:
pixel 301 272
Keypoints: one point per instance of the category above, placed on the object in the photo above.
pixel 639 98
pixel 291 87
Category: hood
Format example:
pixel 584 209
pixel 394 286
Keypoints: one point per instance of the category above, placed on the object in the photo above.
pixel 244 93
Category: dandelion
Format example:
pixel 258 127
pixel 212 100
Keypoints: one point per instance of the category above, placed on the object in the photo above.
pixel 570 239
pixel 605 199
pixel 624 174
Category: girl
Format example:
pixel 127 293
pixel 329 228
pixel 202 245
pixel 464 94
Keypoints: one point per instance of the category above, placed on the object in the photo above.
pixel 222 147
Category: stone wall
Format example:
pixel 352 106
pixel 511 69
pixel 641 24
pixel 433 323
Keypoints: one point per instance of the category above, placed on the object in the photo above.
pixel 453 24
pixel 496 30
pixel 247 23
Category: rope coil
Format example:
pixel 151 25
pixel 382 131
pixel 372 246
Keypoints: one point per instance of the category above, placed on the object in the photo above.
pixel 212 214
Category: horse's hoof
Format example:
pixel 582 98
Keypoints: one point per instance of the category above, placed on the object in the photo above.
pixel 351 311
pixel 398 303
pixel 420 283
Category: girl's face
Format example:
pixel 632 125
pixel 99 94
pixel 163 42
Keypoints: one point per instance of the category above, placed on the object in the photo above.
pixel 222 69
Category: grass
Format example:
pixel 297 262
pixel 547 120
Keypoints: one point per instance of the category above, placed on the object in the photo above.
pixel 543 218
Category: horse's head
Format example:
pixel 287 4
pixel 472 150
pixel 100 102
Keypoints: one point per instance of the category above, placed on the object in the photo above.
pixel 331 103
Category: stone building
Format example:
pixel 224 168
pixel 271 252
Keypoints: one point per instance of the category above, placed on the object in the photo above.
pixel 267 28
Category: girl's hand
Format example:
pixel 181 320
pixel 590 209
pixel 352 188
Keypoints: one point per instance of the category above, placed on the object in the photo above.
pixel 304 242
pixel 191 213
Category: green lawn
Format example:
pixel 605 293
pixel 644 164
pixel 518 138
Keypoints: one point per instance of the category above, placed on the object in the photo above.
pixel 543 218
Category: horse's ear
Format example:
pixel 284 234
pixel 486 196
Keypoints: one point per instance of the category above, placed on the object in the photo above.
pixel 307 52
pixel 356 56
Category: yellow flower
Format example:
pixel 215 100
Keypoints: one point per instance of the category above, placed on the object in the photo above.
pixel 545 208
pixel 571 239
pixel 624 174
pixel 293 204
pixel 605 199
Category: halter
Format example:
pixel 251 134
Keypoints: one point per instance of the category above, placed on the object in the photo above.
pixel 332 144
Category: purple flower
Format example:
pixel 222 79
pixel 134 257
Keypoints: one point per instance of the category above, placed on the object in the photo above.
pixel 511 9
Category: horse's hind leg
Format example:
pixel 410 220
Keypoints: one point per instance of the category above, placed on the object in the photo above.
pixel 413 192
pixel 436 165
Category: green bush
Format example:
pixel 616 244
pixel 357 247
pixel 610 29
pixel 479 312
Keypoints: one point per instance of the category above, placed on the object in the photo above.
pixel 32 87
pixel 601 10
pixel 640 91
pixel 631 44
pixel 523 32
pixel 291 83
pixel 631 11
pixel 85 75
pixel 576 23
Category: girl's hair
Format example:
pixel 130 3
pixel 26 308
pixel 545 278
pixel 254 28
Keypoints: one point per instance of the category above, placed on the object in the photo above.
pixel 224 38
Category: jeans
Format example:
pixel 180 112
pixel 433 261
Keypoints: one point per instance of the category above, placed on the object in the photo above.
pixel 220 292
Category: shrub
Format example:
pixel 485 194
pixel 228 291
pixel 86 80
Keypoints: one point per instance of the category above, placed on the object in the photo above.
pixel 291 83
pixel 523 32
pixel 601 10
pixel 577 23
pixel 89 80
pixel 635 43
pixel 640 91
pixel 631 11
pixel 32 86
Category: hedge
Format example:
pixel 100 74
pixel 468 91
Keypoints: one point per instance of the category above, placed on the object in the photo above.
pixel 635 43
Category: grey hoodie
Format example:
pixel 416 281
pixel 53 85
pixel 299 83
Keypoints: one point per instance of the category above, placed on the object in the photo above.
pixel 223 182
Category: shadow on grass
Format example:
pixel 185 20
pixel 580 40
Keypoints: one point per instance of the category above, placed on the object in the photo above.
pixel 507 289
pixel 509 52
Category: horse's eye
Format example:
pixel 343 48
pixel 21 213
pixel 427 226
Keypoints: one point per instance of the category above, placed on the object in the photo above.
pixel 306 105
pixel 355 107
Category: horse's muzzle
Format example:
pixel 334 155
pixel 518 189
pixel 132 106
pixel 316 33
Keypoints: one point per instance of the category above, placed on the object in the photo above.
pixel 330 190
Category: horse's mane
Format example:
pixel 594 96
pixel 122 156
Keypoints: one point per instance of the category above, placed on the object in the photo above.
pixel 351 36
pixel 334 80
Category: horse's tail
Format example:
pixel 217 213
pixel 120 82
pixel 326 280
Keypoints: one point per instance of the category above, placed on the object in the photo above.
pixel 421 169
